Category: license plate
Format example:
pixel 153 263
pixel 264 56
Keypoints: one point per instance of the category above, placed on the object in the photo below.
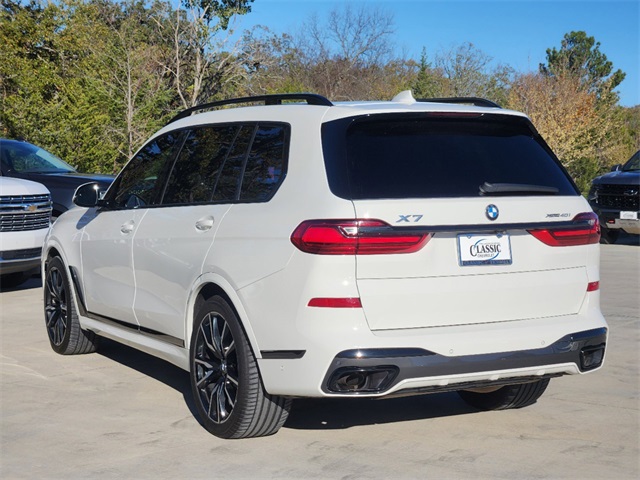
pixel 474 249
pixel 629 215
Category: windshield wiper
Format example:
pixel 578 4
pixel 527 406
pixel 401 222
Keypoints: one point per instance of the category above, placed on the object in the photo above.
pixel 516 188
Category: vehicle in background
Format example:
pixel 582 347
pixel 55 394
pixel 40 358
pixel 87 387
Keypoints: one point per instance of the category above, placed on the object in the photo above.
pixel 22 159
pixel 615 197
pixel 25 217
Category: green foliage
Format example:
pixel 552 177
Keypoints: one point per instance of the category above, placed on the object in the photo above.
pixel 580 56
pixel 90 80
pixel 47 97
pixel 428 82
pixel 220 10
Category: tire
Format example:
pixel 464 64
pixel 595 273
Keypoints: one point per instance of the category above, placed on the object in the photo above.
pixel 61 319
pixel 510 396
pixel 225 380
pixel 608 236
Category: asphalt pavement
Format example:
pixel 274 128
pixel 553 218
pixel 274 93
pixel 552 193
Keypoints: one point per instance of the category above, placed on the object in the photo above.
pixel 120 413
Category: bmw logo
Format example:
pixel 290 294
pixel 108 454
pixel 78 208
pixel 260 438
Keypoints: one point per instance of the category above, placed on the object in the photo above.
pixel 491 212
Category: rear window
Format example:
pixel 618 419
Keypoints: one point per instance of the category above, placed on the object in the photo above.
pixel 422 156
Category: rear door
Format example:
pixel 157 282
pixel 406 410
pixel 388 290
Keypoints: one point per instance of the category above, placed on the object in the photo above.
pixel 475 184
pixel 173 241
pixel 218 166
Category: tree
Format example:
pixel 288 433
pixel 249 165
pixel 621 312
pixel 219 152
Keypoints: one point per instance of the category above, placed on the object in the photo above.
pixel 468 72
pixel 428 82
pixel 91 80
pixel 47 96
pixel 346 56
pixel 580 57
pixel 130 54
pixel 581 133
pixel 272 63
pixel 628 135
pixel 198 62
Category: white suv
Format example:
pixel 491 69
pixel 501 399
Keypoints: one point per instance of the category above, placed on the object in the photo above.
pixel 305 249
pixel 25 217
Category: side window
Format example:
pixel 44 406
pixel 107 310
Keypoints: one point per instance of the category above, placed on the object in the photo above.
pixel 226 189
pixel 265 164
pixel 198 166
pixel 139 184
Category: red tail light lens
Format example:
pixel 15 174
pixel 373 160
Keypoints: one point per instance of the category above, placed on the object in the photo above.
pixel 355 237
pixel 585 232
pixel 593 286
pixel 335 302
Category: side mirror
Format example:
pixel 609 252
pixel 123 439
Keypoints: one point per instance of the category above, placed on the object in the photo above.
pixel 87 195
pixel 616 168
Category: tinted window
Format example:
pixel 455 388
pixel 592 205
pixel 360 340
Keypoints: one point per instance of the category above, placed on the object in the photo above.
pixel 265 164
pixel 196 170
pixel 228 184
pixel 391 156
pixel 140 182
pixel 633 164
pixel 22 157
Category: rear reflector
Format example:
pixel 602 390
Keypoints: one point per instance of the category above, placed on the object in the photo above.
pixel 355 237
pixel 585 231
pixel 593 286
pixel 335 302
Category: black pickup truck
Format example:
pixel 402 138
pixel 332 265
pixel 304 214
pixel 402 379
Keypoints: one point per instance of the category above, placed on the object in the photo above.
pixel 615 197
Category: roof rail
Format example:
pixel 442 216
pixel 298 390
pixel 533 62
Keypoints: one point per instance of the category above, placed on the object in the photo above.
pixel 478 102
pixel 277 99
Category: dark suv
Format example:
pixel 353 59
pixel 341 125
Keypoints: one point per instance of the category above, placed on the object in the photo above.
pixel 22 159
pixel 615 198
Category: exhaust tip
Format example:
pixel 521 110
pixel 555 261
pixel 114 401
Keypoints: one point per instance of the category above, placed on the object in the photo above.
pixel 591 357
pixel 362 380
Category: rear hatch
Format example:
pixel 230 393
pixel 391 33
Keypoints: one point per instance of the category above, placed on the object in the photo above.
pixel 498 227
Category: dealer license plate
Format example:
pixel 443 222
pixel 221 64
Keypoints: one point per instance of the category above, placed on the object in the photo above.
pixel 475 249
pixel 629 215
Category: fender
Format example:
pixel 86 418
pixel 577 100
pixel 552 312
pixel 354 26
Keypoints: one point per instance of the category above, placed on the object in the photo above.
pixel 221 282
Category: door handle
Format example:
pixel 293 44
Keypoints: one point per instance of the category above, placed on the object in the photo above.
pixel 127 228
pixel 204 224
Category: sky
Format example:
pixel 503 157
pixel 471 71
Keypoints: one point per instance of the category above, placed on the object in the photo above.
pixel 512 32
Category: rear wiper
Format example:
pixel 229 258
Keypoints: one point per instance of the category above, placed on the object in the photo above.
pixel 516 188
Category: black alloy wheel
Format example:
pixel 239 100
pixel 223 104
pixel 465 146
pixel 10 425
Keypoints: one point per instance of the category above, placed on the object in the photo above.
pixel 216 367
pixel 61 319
pixel 225 380
pixel 55 310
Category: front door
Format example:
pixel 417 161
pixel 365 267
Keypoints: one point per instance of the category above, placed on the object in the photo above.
pixel 107 239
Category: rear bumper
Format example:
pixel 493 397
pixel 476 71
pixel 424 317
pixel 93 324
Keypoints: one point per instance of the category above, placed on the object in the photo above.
pixel 611 219
pixel 381 371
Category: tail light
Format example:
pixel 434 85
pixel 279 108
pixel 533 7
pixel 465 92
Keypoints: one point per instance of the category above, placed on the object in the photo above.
pixel 584 230
pixel 355 237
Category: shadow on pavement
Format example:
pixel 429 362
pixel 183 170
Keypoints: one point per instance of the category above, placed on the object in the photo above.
pixel 341 413
pixel 32 282
pixel 150 366
pixel 307 413
pixel 627 239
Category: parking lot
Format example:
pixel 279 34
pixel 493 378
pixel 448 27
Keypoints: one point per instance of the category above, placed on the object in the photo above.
pixel 122 414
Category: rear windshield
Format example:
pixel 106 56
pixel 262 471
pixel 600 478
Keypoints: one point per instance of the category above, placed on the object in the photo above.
pixel 427 156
